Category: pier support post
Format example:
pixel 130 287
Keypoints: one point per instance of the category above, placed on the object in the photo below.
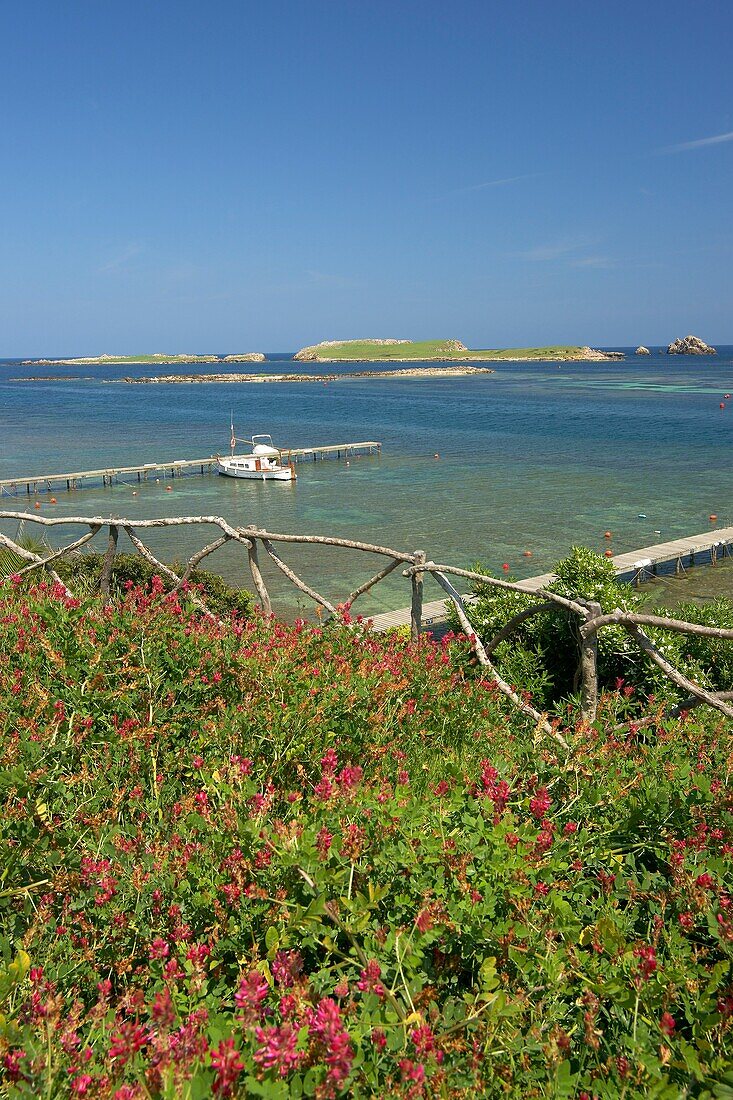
pixel 106 575
pixel 419 558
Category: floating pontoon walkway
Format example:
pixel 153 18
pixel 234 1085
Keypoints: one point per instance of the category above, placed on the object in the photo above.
pixel 39 483
pixel 635 567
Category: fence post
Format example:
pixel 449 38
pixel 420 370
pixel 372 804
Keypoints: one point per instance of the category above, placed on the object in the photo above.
pixel 419 558
pixel 259 583
pixel 106 575
pixel 589 668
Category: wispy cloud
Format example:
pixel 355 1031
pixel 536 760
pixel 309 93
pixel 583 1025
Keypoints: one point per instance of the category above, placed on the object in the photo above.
pixel 599 262
pixel 121 258
pixel 494 183
pixel 555 250
pixel 701 143
pixel 325 278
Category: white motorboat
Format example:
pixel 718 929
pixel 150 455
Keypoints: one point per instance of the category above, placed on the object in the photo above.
pixel 264 463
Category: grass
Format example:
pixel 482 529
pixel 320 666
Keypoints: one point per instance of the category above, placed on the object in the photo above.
pixel 361 351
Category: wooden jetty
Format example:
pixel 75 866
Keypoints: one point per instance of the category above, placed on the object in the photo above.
pixel 635 567
pixel 36 483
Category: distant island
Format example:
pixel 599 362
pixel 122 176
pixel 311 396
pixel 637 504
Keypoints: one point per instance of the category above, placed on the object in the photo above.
pixel 402 372
pixel 158 357
pixel 404 351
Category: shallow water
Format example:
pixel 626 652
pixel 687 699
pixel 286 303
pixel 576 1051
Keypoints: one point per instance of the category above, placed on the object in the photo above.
pixel 534 457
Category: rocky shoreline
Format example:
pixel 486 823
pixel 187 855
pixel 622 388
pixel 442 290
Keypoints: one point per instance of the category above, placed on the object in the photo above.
pixel 404 372
pixel 591 355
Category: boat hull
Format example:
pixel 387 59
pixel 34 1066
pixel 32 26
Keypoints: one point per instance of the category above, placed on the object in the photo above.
pixel 248 473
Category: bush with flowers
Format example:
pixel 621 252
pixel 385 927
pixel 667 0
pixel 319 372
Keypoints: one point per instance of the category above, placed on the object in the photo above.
pixel 256 859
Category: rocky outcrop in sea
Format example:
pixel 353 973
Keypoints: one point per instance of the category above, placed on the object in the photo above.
pixel 597 356
pixel 690 345
pixel 641 350
pixel 245 357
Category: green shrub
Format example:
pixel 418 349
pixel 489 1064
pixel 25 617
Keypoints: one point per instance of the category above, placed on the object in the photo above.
pixel 81 573
pixel 542 656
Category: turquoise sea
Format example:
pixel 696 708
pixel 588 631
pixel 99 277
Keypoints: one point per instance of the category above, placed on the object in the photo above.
pixel 533 457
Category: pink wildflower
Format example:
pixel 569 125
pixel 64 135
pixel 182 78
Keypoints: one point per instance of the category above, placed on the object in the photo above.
pixel 163 1010
pixel 127 1041
pixel 80 1085
pixel 423 1040
pixel 323 842
pixel 11 1063
pixel 228 1065
pixel 647 957
pixel 540 804
pixel 277 1048
pixel 369 979
pixel 349 777
pixel 378 1038
pixel 412 1071
pixel 326 1025
pixel 323 789
pixel 667 1023
pixel 253 990
pixel 329 762
pixel 286 966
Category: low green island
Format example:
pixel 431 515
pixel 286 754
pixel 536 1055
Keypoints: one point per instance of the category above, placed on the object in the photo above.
pixel 333 351
pixel 157 358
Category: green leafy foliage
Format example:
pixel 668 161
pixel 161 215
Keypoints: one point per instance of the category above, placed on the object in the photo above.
pixel 542 655
pixel 283 861
pixel 81 573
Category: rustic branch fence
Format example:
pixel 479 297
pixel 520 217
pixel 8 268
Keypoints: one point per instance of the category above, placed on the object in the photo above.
pixel 590 617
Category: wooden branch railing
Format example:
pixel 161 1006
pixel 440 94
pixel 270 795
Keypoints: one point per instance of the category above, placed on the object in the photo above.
pixel 588 615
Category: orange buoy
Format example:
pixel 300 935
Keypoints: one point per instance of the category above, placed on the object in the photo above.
pixel 37 504
pixel 169 488
pixel 53 500
pixel 607 534
pixel 609 553
pixel 505 566
pixel 526 553
pixel 722 405
pixel 713 518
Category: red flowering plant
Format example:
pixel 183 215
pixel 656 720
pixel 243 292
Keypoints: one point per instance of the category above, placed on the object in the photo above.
pixel 269 860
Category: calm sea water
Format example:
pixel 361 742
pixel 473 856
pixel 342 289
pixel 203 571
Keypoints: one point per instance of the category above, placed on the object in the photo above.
pixel 533 457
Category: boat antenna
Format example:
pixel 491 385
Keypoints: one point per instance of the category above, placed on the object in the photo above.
pixel 232 437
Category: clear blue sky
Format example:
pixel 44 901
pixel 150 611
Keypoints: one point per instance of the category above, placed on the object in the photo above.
pixel 245 175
